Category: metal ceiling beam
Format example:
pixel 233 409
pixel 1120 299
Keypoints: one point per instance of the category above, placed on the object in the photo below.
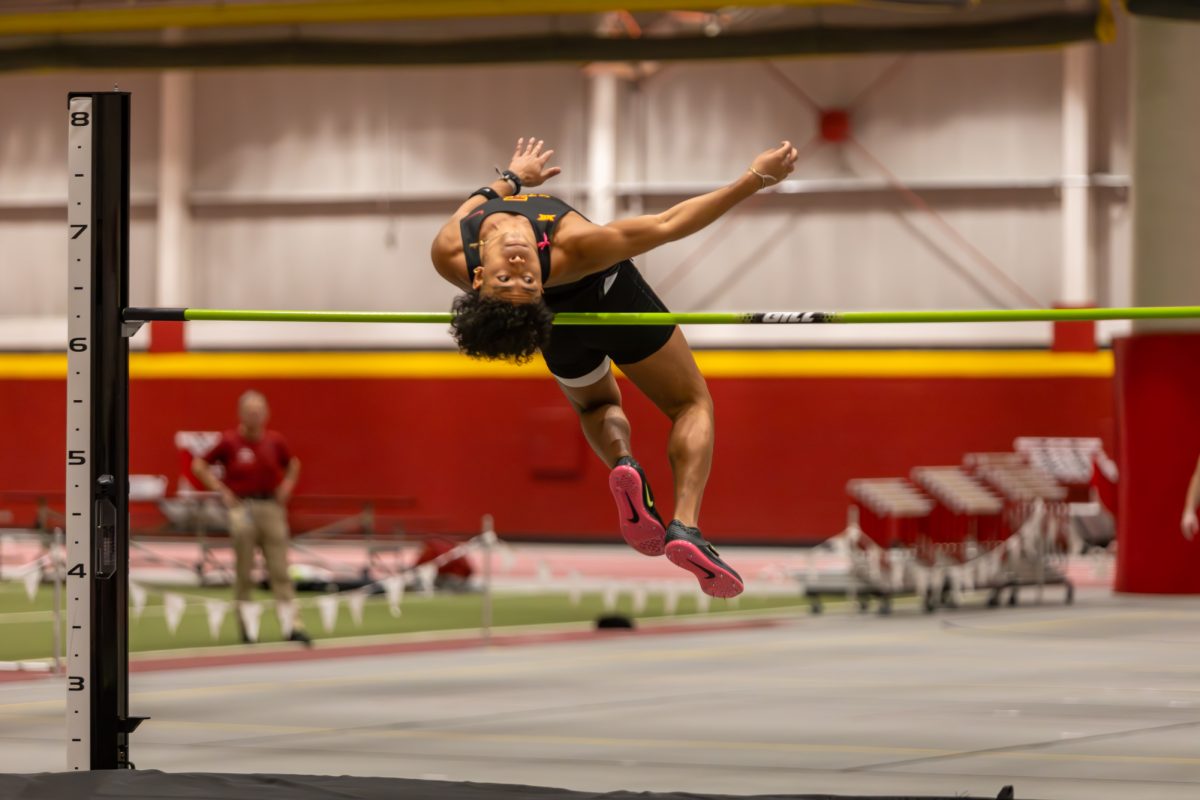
pixel 248 14
pixel 1040 31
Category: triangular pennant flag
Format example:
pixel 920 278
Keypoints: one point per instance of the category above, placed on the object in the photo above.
pixel 173 607
pixel 394 588
pixel 137 598
pixel 355 602
pixel 33 580
pixel 610 597
pixel 327 607
pixel 702 602
pixel 508 559
pixel 544 573
pixel 251 615
pixel 216 610
pixel 574 588
pixel 639 599
pixel 285 612
pixel 670 599
pixel 427 575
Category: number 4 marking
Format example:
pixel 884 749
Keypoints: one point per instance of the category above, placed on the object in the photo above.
pixel 77 571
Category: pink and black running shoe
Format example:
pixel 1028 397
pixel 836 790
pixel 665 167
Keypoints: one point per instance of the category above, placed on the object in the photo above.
pixel 641 525
pixel 686 548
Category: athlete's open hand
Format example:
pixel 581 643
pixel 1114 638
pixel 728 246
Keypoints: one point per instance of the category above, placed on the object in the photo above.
pixel 776 164
pixel 1190 524
pixel 529 162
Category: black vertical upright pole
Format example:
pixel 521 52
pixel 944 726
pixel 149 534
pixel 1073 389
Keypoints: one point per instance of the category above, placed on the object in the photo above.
pixel 109 441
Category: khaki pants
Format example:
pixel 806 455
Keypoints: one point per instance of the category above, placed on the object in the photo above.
pixel 261 524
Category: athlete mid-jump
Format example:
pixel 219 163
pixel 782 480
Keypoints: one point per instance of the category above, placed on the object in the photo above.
pixel 520 258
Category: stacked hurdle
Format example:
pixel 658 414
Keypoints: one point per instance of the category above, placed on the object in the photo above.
pixel 966 528
pixel 997 523
pixel 885 544
pixel 1036 513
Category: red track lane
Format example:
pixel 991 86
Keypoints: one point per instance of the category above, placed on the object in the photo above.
pixel 249 655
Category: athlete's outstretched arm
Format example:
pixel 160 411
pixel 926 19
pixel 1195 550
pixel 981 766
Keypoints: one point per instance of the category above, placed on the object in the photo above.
pixel 529 164
pixel 597 247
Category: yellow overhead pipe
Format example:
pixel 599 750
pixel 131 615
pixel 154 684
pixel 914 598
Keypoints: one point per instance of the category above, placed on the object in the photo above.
pixel 235 15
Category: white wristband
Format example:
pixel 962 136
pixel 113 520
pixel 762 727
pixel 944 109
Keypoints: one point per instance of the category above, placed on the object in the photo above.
pixel 767 180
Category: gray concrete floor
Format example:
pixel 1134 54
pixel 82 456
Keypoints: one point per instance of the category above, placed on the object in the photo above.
pixel 1098 700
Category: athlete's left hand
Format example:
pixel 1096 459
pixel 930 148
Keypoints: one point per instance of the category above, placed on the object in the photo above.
pixel 776 163
pixel 529 162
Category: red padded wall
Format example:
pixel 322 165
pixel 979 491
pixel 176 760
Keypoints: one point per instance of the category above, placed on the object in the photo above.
pixel 460 448
pixel 1158 398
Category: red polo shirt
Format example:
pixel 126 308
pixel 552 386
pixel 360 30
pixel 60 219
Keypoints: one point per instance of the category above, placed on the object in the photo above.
pixel 253 468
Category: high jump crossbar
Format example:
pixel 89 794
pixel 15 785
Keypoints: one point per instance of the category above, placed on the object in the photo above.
pixel 135 316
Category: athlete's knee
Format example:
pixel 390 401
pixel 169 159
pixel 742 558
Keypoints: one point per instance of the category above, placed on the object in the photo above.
pixel 585 407
pixel 697 403
pixel 595 399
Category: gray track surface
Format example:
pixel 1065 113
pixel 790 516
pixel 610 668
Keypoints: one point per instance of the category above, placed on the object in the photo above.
pixel 1098 700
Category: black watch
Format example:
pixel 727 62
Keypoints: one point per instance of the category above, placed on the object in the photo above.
pixel 512 178
pixel 485 191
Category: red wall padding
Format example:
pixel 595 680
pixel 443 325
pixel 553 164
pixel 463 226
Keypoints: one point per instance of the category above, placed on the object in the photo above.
pixel 1158 394
pixel 465 447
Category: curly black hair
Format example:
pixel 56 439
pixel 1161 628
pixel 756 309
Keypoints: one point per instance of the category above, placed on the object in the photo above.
pixel 489 328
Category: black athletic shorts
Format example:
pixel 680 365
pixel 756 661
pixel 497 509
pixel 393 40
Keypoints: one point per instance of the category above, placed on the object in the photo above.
pixel 579 355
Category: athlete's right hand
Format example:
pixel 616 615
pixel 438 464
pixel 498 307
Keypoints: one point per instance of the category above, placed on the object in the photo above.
pixel 229 499
pixel 776 163
pixel 529 162
pixel 1190 524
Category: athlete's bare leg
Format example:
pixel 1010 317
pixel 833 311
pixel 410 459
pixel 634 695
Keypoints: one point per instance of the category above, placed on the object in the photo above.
pixel 604 422
pixel 672 381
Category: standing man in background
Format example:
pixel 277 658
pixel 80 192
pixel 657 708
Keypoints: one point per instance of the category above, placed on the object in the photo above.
pixel 260 474
pixel 1190 524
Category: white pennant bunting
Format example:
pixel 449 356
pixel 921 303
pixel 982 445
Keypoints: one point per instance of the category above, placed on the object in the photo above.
pixel 285 612
pixel 137 599
pixel 33 580
pixel 251 614
pixel 639 599
pixel 394 588
pixel 216 610
pixel 355 602
pixel 173 607
pixel 327 607
pixel 670 599
pixel 610 597
pixel 508 559
pixel 428 576
pixel 574 588
pixel 702 602
pixel 544 573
